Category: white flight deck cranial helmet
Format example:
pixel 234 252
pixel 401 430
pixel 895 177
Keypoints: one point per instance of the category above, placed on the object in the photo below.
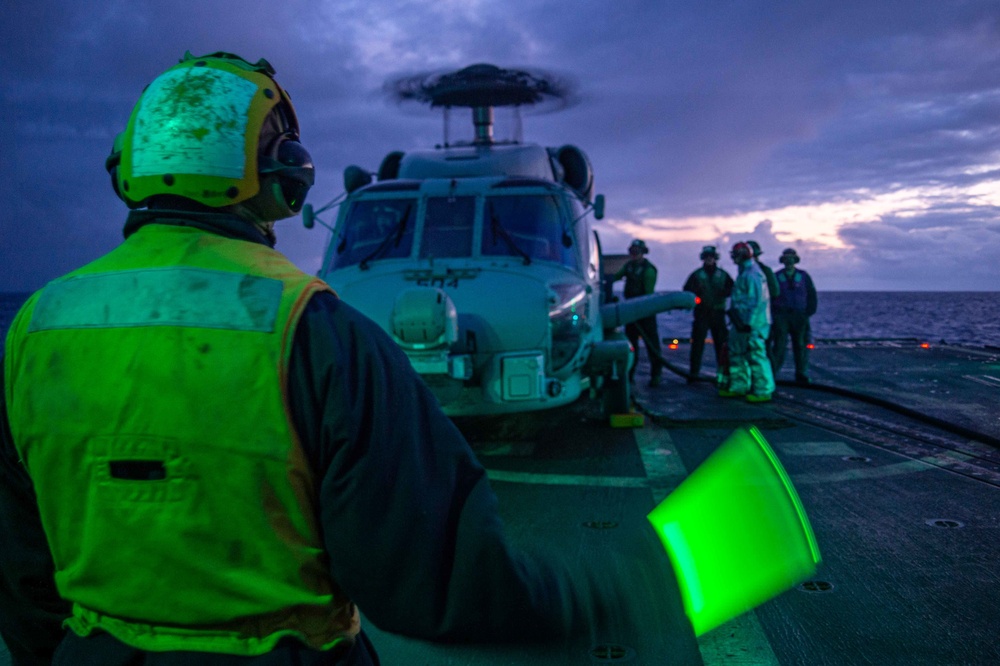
pixel 217 130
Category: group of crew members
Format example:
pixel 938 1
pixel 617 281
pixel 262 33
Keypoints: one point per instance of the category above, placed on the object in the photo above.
pixel 764 308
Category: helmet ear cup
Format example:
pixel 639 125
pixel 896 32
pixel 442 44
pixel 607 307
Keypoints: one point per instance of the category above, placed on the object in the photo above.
pixel 285 180
pixel 296 175
pixel 113 161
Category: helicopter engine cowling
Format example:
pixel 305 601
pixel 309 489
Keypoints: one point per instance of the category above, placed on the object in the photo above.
pixel 575 168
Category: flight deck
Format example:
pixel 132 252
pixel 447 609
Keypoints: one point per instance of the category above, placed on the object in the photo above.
pixel 902 490
pixel 906 514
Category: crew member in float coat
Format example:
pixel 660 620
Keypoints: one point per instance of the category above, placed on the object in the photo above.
pixel 750 322
pixel 793 305
pixel 772 289
pixel 206 456
pixel 712 286
pixel 640 280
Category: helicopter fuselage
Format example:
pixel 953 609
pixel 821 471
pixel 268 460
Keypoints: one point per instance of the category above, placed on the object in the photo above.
pixel 489 283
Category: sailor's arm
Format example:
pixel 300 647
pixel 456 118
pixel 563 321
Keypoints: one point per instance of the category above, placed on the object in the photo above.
pixel 811 299
pixel 409 519
pixel 759 301
pixel 31 611
pixel 728 289
pixel 649 278
pixel 691 284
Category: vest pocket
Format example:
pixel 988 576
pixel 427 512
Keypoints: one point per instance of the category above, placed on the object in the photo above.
pixel 138 470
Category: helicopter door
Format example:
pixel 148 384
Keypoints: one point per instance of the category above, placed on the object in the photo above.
pixel 607 296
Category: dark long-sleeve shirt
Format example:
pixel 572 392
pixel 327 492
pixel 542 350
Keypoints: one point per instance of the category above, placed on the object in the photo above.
pixel 712 287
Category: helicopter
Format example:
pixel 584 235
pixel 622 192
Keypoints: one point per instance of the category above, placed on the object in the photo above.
pixel 479 258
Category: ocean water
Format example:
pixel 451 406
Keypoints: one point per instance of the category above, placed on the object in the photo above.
pixel 966 318
pixel 959 318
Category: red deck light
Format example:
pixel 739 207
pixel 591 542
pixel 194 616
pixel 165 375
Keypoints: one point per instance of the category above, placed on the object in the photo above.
pixel 925 345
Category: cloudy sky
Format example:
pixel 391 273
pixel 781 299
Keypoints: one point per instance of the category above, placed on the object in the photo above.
pixel 864 133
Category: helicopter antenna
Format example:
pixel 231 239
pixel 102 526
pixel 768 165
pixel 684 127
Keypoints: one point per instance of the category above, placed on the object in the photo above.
pixel 483 87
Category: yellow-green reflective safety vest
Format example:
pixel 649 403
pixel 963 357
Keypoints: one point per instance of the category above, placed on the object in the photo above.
pixel 147 399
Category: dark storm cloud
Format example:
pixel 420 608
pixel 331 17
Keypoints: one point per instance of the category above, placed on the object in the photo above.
pixel 944 246
pixel 690 108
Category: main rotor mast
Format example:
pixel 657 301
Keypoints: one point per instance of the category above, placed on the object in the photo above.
pixel 481 88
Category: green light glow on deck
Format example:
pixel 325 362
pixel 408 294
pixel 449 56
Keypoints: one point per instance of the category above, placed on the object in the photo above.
pixel 736 532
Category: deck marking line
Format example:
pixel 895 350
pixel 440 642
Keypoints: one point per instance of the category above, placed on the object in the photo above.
pixel 566 479
pixel 664 467
pixel 985 380
pixel 742 640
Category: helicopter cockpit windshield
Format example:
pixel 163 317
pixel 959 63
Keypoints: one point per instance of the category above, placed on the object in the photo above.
pixel 528 226
pixel 448 227
pixel 376 229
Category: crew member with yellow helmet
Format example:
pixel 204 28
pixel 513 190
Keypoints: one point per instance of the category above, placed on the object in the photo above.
pixel 197 460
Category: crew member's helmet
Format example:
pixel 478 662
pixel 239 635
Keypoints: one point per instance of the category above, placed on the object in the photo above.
pixel 741 252
pixel 708 251
pixel 789 256
pixel 640 245
pixel 756 248
pixel 216 130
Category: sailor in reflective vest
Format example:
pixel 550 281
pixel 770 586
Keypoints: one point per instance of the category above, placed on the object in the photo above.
pixel 206 457
pixel 793 305
pixel 772 289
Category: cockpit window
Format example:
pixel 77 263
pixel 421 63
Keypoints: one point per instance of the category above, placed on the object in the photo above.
pixel 448 223
pixel 526 225
pixel 376 229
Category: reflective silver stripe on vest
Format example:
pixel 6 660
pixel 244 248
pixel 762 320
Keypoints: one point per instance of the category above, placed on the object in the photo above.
pixel 192 297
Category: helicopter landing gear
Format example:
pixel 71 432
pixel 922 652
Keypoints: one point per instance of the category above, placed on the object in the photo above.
pixel 617 392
